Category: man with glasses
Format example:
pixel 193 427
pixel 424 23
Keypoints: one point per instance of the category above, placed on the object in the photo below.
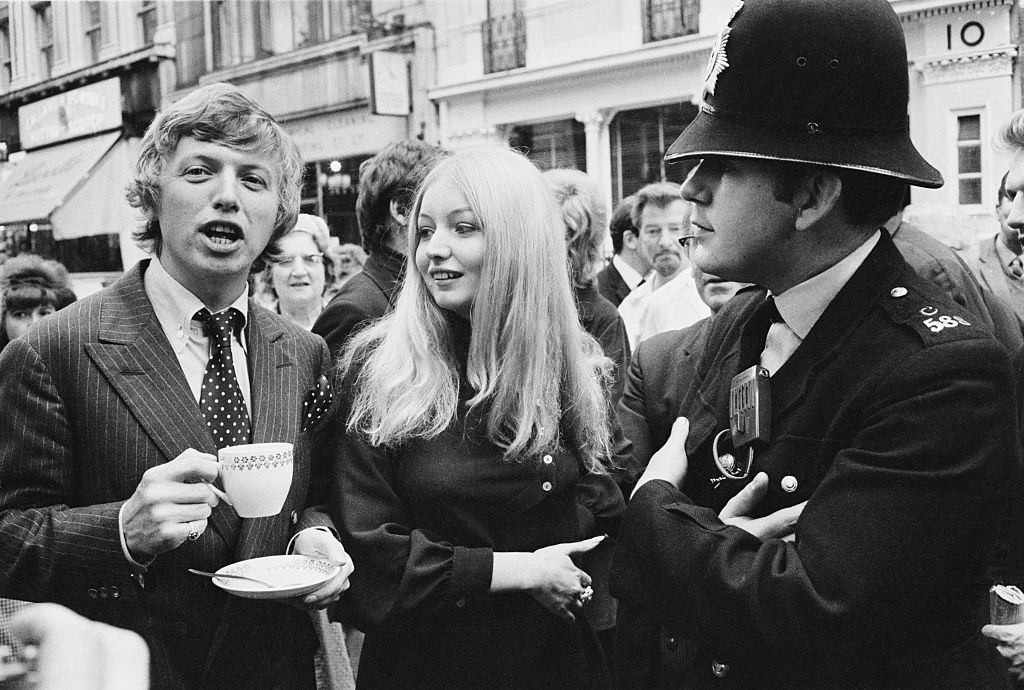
pixel 668 298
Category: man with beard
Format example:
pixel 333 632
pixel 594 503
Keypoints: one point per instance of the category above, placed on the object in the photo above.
pixel 668 298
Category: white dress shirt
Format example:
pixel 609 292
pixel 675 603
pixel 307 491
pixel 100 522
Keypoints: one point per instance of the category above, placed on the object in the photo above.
pixel 676 304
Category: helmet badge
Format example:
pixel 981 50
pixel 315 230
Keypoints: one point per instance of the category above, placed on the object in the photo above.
pixel 718 60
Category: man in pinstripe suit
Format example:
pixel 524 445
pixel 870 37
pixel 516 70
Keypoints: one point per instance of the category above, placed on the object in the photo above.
pixel 106 459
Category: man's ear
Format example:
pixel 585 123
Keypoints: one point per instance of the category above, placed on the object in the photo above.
pixel 398 212
pixel 629 239
pixel 816 197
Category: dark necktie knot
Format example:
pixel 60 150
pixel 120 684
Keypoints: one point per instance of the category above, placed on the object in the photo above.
pixel 220 327
pixel 755 332
pixel 1016 268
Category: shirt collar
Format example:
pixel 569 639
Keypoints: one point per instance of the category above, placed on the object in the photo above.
pixel 175 305
pixel 629 274
pixel 802 305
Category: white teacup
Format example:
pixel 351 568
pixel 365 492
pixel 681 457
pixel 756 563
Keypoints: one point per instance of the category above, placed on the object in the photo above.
pixel 256 477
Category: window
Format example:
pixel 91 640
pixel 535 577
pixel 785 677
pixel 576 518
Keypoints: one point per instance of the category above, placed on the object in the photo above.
pixel 219 24
pixel 307 23
pixel 5 55
pixel 346 17
pixel 639 139
pixel 504 36
pixel 93 28
pixel 968 149
pixel 191 36
pixel 670 18
pixel 561 144
pixel 44 37
pixel 147 21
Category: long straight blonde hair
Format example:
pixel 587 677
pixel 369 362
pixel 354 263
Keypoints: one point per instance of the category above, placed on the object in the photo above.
pixel 537 372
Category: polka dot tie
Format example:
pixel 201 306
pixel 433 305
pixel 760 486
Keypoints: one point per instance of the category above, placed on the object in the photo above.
pixel 221 400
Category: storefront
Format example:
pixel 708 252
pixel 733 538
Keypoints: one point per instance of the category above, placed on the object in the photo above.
pixel 65 198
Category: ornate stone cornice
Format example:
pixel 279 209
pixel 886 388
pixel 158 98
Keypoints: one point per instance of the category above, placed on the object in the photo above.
pixel 996 62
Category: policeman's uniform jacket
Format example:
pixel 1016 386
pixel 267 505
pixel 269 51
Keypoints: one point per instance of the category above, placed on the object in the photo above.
pixel 894 419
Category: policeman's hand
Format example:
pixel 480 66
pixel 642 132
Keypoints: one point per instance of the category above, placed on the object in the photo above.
pixel 1011 645
pixel 670 462
pixel 75 652
pixel 779 525
pixel 172 501
pixel 320 544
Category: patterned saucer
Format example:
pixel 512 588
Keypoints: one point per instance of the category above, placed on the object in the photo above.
pixel 291 576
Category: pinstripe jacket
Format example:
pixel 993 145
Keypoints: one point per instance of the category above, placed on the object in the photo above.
pixel 94 397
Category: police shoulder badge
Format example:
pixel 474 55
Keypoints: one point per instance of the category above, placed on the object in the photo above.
pixel 718 60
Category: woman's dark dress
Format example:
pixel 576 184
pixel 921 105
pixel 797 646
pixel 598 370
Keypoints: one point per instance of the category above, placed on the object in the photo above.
pixel 422 522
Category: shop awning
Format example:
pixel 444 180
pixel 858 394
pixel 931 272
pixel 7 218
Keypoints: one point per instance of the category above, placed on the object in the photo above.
pixel 78 187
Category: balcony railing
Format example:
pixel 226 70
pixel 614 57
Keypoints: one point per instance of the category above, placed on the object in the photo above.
pixel 504 42
pixel 670 18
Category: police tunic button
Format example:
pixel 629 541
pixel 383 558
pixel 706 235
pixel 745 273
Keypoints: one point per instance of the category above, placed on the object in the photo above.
pixel 899 291
pixel 93 593
pixel 461 602
pixel 546 486
pixel 548 459
pixel 789 483
pixel 719 669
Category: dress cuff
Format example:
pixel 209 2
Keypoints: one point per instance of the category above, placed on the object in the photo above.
pixel 471 570
pixel 133 565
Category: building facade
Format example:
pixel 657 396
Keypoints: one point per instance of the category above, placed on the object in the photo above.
pixel 80 81
pixel 606 85
pixel 600 85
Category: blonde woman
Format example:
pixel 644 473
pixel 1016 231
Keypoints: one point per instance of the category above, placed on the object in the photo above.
pixel 473 466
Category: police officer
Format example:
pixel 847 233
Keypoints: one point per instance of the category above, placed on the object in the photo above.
pixel 823 511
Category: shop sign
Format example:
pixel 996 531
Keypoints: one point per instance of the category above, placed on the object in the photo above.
pixel 389 83
pixel 87 110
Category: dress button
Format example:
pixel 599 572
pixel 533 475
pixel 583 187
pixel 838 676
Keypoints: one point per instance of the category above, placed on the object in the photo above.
pixel 719 669
pixel 672 643
pixel 546 486
pixel 104 593
pixel 295 517
pixel 461 602
pixel 115 592
pixel 789 483
pixel 898 291
pixel 548 459
pixel 93 594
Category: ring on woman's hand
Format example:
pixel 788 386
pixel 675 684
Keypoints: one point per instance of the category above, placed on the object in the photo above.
pixel 193 533
pixel 585 596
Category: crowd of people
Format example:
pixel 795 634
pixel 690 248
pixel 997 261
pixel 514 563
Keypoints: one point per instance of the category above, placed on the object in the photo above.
pixel 773 442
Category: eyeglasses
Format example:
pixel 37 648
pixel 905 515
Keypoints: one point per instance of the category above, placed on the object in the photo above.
pixel 309 260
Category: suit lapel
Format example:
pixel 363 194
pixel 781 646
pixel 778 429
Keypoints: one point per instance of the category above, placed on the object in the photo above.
pixel 138 362
pixel 992 271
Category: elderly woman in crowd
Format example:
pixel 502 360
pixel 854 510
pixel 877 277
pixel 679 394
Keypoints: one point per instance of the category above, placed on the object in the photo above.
pixel 472 446
pixel 32 287
pixel 302 273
